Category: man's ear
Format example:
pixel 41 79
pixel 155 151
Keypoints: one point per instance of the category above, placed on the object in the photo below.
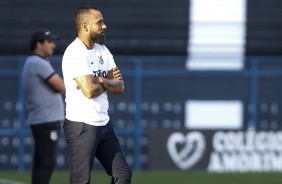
pixel 84 26
pixel 38 45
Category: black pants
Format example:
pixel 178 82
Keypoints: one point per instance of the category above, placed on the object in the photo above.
pixel 87 141
pixel 45 151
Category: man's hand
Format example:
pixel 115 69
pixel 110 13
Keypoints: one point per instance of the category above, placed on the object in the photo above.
pixel 117 74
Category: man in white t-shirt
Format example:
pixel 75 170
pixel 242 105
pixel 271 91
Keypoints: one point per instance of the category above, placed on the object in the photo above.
pixel 89 73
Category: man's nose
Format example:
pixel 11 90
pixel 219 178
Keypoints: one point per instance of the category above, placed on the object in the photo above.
pixel 53 45
pixel 104 27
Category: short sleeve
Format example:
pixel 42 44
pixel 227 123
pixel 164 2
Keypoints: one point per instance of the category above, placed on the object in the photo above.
pixel 75 64
pixel 42 68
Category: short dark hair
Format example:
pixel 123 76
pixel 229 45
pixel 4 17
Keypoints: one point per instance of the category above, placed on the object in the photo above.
pixel 40 36
pixel 81 14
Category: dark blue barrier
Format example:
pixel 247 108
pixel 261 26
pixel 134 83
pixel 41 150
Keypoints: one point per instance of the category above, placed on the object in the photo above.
pixel 138 72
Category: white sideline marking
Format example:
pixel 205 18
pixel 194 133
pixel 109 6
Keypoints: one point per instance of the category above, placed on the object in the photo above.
pixel 5 181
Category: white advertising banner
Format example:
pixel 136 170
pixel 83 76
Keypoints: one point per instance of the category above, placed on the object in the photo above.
pixel 220 151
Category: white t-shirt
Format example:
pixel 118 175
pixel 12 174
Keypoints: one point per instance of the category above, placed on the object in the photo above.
pixel 79 61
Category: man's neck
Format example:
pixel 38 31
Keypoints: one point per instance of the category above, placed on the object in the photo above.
pixel 89 44
pixel 35 52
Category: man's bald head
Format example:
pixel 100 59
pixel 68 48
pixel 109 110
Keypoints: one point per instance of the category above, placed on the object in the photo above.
pixel 82 15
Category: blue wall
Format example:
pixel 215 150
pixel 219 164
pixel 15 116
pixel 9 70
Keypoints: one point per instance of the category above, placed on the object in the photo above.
pixel 156 89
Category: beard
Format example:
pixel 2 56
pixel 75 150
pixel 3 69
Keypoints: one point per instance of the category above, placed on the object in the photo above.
pixel 100 38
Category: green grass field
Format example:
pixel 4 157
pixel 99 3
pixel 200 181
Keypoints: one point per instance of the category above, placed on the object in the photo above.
pixel 156 177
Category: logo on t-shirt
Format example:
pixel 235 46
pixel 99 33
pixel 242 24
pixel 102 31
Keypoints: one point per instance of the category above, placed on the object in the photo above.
pixel 101 59
pixel 99 73
pixel 98 69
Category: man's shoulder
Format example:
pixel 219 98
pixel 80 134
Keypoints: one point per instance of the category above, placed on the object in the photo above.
pixel 75 46
pixel 35 60
pixel 34 57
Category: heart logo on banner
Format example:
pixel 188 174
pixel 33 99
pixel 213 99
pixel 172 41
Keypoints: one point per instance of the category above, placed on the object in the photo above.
pixel 192 145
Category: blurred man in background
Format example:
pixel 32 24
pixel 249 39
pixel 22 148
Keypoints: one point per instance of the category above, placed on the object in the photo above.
pixel 43 89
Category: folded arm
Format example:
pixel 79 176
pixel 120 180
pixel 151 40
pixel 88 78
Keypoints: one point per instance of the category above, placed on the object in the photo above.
pixel 89 85
pixel 56 83
pixel 113 83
